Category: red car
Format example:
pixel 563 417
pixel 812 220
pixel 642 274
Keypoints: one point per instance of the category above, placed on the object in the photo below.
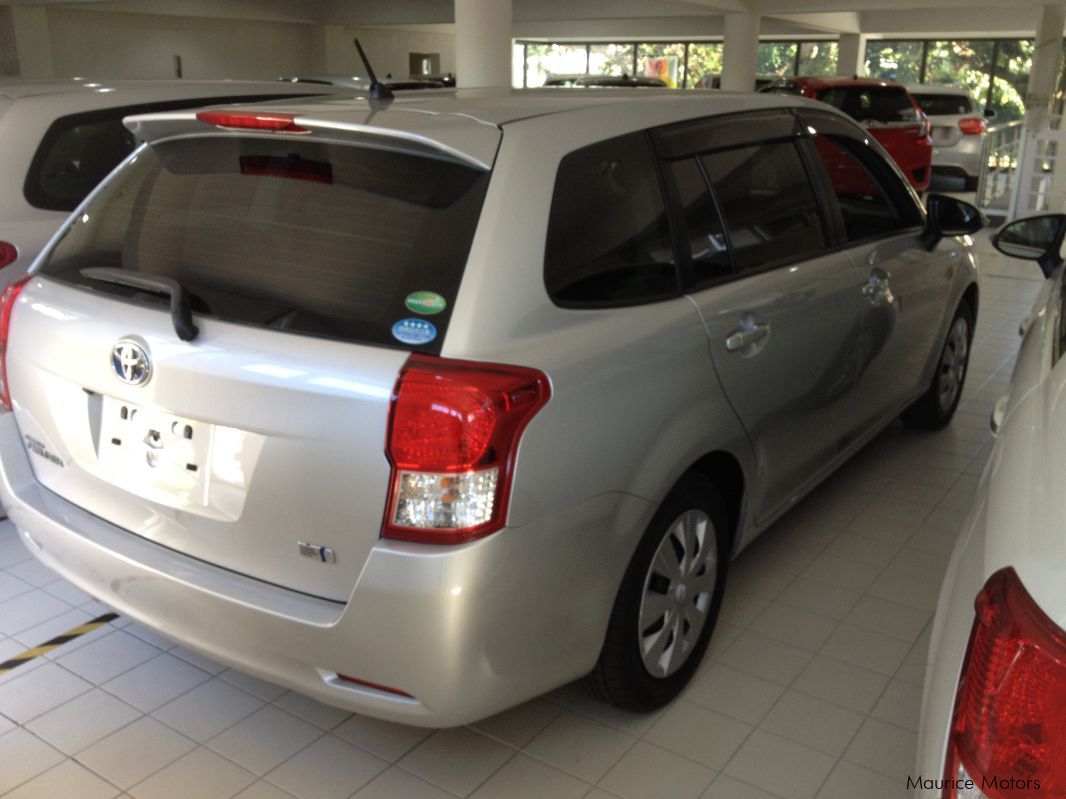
pixel 885 108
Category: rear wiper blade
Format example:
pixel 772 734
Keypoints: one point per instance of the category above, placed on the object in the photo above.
pixel 180 310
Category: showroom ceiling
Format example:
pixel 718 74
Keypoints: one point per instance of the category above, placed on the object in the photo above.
pixel 655 17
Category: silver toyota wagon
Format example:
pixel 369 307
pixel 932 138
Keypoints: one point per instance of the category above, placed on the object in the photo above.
pixel 423 408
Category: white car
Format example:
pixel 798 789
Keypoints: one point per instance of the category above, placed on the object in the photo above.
pixel 59 138
pixel 994 712
pixel 959 128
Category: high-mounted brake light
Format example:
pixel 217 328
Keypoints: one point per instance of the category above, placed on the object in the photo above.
pixel 252 120
pixel 454 428
pixel 8 253
pixel 972 126
pixel 1008 732
pixel 7 304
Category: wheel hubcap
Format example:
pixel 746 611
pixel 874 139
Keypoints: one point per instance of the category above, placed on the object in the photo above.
pixel 953 363
pixel 677 593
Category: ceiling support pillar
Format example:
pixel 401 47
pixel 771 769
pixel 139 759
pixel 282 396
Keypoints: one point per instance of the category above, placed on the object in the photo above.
pixel 739 58
pixel 483 43
pixel 851 54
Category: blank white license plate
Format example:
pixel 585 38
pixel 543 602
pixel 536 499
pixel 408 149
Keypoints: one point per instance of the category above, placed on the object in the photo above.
pixel 155 454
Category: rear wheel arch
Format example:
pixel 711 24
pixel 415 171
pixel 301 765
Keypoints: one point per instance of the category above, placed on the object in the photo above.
pixel 725 471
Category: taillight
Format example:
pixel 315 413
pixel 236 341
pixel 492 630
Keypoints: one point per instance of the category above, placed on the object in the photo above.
pixel 454 428
pixel 252 120
pixel 8 253
pixel 972 126
pixel 925 127
pixel 7 304
pixel 1008 733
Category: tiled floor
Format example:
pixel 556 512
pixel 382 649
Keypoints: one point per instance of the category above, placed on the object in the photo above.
pixel 811 688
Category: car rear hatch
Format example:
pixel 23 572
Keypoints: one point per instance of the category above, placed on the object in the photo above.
pixel 886 111
pixel 314 259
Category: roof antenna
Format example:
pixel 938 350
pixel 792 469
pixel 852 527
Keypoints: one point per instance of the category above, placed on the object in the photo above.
pixel 378 90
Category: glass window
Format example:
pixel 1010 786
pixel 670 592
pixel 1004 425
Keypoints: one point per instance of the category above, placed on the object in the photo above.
pixel 74 157
pixel 866 210
pixel 769 205
pixel 704 64
pixel 894 60
pixel 608 235
pixel 1013 65
pixel 611 59
pixel 518 65
pixel 776 59
pixel 818 58
pixel 318 239
pixel 663 61
pixel 547 60
pixel 935 104
pixel 706 236
pixel 960 63
pixel 879 104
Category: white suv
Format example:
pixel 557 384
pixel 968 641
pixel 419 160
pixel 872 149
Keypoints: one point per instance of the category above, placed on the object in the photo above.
pixel 959 128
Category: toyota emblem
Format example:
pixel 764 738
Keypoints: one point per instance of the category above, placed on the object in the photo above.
pixel 131 363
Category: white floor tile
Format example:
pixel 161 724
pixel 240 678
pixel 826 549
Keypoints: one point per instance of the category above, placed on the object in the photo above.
pixel 264 740
pixel 726 787
pixel 383 738
pixel 820 598
pixel 780 766
pixel 835 681
pixel 201 774
pixel 56 626
pixel 764 657
pixel 813 722
pixel 38 690
pixel 155 682
pixel 261 789
pixel 135 752
pixel 734 693
pixel 12 586
pixel 83 721
pixel 867 649
pixel 68 779
pixel 457 760
pixel 267 691
pixel 108 657
pixel 889 618
pixel 901 704
pixel 649 772
pixel 523 777
pixel 208 709
pixel 698 734
pixel 29 609
pixel 24 757
pixel 395 783
pixel 324 717
pixel 849 781
pixel 327 769
pixel 520 725
pixel 794 626
pixel 884 748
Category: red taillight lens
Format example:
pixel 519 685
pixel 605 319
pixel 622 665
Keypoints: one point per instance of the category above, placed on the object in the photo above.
pixel 1008 734
pixel 972 126
pixel 251 120
pixel 8 253
pixel 7 305
pixel 454 428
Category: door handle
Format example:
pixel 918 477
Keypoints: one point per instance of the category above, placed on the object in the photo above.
pixel 745 337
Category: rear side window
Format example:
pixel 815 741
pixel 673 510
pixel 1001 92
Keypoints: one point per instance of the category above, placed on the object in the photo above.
pixel 944 104
pixel 608 234
pixel 329 240
pixel 883 105
pixel 769 206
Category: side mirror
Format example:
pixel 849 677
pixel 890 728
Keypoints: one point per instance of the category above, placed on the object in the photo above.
pixel 948 216
pixel 990 113
pixel 1035 238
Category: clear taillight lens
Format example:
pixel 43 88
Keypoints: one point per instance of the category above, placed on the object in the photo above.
pixel 454 428
pixel 1008 733
pixel 7 304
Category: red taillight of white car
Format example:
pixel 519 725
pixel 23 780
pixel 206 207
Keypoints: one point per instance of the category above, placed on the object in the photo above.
pixel 1008 733
pixel 7 304
pixel 972 126
pixel 454 428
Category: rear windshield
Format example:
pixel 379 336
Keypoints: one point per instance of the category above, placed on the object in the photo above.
pixel 337 241
pixel 944 104
pixel 876 104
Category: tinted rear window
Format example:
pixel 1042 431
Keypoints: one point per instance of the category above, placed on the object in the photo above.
pixel 328 240
pixel 944 104
pixel 878 104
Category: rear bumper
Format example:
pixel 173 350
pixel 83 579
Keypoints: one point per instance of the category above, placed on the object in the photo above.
pixel 466 631
pixel 962 160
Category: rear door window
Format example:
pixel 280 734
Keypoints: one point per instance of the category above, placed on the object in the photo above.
pixel 771 213
pixel 609 239
pixel 320 239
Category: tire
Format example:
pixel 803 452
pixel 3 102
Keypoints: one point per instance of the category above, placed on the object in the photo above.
pixel 934 409
pixel 668 601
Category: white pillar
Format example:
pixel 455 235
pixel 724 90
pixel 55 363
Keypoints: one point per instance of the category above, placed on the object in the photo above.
pixel 740 50
pixel 851 54
pixel 483 43
pixel 33 43
pixel 1047 62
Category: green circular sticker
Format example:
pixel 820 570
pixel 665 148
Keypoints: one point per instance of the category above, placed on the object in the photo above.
pixel 425 302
